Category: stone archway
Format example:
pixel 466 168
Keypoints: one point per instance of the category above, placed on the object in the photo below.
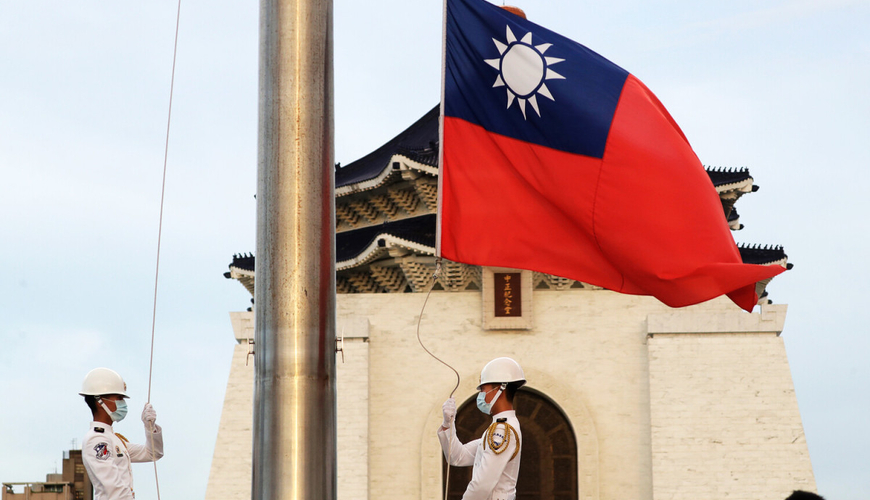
pixel 549 455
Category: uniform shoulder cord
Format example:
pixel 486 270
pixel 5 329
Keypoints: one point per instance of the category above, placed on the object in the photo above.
pixel 499 448
pixel 124 440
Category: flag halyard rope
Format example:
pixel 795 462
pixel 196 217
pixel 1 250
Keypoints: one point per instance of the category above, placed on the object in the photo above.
pixel 419 319
pixel 159 239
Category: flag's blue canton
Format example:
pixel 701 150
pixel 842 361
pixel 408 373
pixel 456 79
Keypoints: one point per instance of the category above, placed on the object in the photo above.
pixel 579 118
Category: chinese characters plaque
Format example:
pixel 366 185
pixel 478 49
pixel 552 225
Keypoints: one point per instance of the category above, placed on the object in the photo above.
pixel 508 294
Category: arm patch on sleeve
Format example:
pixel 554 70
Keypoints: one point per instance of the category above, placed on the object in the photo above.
pixel 102 451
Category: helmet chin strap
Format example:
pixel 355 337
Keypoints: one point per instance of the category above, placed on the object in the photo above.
pixel 103 405
pixel 501 389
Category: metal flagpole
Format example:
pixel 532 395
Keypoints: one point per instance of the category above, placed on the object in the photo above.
pixel 294 448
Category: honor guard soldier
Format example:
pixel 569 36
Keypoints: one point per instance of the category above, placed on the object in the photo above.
pixel 107 455
pixel 496 455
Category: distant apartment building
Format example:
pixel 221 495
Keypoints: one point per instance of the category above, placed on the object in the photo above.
pixel 71 484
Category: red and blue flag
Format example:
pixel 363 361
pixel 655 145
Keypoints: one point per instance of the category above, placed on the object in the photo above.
pixel 557 160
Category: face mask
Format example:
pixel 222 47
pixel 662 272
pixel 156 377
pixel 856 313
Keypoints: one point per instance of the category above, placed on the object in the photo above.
pixel 482 405
pixel 120 410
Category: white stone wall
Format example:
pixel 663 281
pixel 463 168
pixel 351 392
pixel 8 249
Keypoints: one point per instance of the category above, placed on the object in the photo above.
pixel 725 420
pixel 591 362
pixel 591 353
pixel 352 389
pixel 230 474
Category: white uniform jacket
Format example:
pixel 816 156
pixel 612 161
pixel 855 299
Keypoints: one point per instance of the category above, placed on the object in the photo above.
pixel 107 459
pixel 495 474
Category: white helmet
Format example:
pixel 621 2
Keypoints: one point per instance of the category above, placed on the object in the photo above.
pixel 500 371
pixel 102 381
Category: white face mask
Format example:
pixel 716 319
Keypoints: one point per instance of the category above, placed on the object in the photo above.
pixel 120 410
pixel 482 405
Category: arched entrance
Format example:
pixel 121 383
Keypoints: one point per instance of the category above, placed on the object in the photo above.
pixel 549 455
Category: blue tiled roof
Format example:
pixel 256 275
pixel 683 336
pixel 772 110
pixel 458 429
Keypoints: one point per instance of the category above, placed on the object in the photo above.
pixel 421 230
pixel 417 142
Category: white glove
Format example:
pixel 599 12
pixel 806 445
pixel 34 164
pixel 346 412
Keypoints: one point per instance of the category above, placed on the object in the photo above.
pixel 448 409
pixel 149 416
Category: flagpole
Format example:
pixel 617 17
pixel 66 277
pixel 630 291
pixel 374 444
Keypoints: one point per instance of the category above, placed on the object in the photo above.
pixel 294 444
pixel 441 128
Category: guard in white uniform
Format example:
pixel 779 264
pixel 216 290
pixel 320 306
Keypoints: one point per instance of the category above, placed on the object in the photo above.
pixel 108 456
pixel 496 455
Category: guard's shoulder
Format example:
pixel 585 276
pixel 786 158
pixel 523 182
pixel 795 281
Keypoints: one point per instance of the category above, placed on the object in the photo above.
pixel 498 437
pixel 98 432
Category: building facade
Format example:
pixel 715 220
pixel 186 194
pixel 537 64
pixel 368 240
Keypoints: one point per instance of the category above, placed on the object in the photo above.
pixel 72 483
pixel 626 397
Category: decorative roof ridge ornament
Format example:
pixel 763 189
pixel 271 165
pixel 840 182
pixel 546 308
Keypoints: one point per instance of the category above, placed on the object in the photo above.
pixel 765 254
pixel 722 176
pixel 728 170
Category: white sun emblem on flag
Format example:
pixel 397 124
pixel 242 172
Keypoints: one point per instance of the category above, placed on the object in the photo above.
pixel 522 68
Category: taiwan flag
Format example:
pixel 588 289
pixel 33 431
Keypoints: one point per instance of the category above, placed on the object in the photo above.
pixel 555 159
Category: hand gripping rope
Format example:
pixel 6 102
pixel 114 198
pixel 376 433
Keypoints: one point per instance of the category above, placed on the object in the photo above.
pixel 419 319
pixel 159 235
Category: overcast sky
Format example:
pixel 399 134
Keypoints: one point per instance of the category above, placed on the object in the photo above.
pixel 776 86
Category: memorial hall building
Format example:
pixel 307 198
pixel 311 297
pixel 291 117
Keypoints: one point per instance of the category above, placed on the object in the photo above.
pixel 626 398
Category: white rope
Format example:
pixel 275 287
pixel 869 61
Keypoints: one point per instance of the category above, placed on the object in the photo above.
pixel 159 237
pixel 419 319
